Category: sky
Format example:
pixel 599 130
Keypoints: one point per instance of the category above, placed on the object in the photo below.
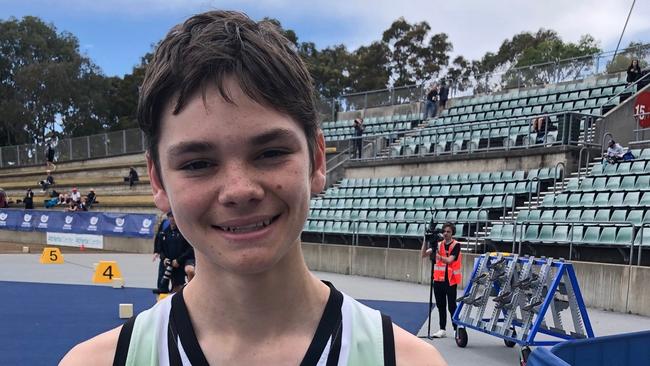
pixel 116 34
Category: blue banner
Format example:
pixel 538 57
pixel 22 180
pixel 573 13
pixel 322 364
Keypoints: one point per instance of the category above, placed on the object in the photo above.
pixel 98 223
pixel 9 219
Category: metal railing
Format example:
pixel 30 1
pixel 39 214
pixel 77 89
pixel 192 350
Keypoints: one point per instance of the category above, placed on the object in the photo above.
pixel 75 148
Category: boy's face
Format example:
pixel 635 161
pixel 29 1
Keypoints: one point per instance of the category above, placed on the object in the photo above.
pixel 237 177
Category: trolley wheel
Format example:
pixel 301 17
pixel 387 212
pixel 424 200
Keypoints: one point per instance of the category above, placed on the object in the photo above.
pixel 523 356
pixel 461 337
pixel 508 343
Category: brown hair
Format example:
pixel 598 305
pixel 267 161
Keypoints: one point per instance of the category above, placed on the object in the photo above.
pixel 451 226
pixel 209 48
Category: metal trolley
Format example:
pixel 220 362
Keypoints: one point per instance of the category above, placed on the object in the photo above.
pixel 516 298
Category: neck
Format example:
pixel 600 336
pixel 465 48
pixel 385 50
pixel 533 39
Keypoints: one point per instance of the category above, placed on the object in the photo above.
pixel 255 306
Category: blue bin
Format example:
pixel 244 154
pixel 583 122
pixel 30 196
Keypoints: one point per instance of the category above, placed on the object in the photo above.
pixel 630 349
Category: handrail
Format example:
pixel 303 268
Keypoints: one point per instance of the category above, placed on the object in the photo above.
pixel 560 163
pixel 584 148
pixel 622 91
pixel 602 142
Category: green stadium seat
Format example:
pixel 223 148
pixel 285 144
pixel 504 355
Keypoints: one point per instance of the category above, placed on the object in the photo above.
pixel 638 167
pixel 601 199
pixel 495 232
pixel 574 199
pixel 616 199
pixel 627 183
pixel 635 217
pixel 607 235
pixel 587 184
pixel 591 235
pixel 531 233
pixel 534 215
pixel 561 233
pixel 547 215
pixel 572 184
pixel 610 169
pixel 643 183
pixel 587 199
pixel 575 233
pixel 574 215
pixel 602 215
pixel 588 215
pixel 618 215
pixel 631 199
pixel 559 215
pixel 546 233
pixel 508 233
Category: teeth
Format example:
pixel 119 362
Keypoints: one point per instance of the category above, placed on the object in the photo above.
pixel 247 228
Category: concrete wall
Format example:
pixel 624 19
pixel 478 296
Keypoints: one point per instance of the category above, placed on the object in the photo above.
pixel 604 286
pixel 489 162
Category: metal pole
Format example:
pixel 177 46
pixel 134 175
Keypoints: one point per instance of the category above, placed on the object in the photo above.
pixel 88 146
pixel 106 144
pixel 124 141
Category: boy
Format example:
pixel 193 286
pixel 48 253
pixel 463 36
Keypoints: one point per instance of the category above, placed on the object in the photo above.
pixel 235 152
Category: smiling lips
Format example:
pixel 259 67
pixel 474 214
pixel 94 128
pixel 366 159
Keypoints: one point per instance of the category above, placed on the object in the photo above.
pixel 246 225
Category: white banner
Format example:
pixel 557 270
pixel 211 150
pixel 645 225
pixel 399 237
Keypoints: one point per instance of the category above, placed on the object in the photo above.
pixel 75 240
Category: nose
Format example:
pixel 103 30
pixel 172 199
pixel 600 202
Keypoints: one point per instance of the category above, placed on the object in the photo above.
pixel 239 186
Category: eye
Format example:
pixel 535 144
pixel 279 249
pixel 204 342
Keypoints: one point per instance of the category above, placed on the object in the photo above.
pixel 196 165
pixel 270 154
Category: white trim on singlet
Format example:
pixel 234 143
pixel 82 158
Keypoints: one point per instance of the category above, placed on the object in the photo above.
pixel 361 337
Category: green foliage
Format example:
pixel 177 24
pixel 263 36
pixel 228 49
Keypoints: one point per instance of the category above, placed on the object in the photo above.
pixel 414 56
pixel 42 78
pixel 634 51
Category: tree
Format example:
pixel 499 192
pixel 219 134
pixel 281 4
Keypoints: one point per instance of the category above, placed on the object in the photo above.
pixel 42 79
pixel 623 60
pixel 414 56
pixel 369 68
pixel 328 67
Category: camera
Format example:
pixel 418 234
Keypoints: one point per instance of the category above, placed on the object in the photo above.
pixel 433 235
pixel 164 283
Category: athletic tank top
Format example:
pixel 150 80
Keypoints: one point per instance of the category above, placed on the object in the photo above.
pixel 349 333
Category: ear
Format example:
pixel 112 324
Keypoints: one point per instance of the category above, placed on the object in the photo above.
pixel 318 174
pixel 160 198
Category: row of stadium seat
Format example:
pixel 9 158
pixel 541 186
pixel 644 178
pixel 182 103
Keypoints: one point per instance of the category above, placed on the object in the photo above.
pixel 408 215
pixel 612 183
pixel 484 177
pixel 453 190
pixel 578 234
pixel 483 200
pixel 588 84
pixel 404 117
pixel 605 216
pixel 613 199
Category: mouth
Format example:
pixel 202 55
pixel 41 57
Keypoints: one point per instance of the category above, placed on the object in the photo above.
pixel 242 229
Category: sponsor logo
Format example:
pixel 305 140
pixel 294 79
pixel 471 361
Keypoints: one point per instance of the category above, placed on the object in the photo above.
pixel 3 216
pixel 119 221
pixel 94 220
pixel 27 218
pixel 146 223
pixel 44 218
pixel 68 219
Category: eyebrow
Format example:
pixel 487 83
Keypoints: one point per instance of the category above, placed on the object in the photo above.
pixel 205 146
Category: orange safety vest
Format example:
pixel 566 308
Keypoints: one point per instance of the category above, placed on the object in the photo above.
pixel 454 274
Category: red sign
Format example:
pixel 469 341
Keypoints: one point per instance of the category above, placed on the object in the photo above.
pixel 641 106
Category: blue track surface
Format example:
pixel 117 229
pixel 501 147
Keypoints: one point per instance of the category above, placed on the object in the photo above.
pixel 40 322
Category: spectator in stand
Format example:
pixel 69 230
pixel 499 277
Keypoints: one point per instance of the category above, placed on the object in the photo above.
pixel 75 195
pixel 29 199
pixel 358 133
pixel 132 177
pixel 432 99
pixel 83 205
pixel 47 182
pixel 62 199
pixel 52 202
pixel 72 206
pixel 49 156
pixel 91 198
pixel 443 95
pixel 538 126
pixel 3 199
pixel 614 152
pixel 633 72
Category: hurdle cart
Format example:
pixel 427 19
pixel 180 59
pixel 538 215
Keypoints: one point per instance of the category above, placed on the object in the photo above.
pixel 517 297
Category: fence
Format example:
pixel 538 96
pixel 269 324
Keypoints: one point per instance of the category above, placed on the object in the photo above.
pixel 75 148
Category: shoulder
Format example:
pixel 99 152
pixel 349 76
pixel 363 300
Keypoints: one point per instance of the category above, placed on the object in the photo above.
pixel 100 349
pixel 410 350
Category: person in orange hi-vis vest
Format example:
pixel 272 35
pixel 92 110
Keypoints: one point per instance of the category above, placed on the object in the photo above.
pixel 446 275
